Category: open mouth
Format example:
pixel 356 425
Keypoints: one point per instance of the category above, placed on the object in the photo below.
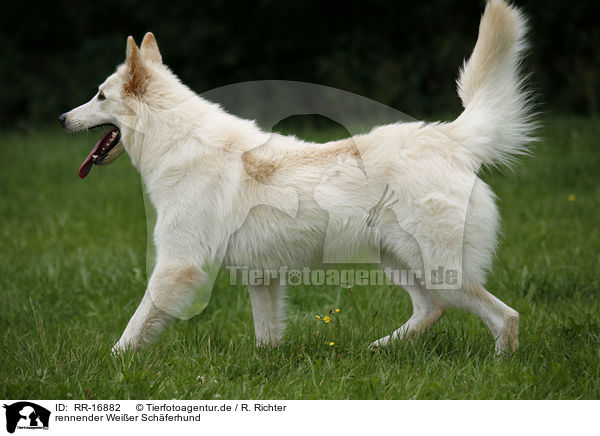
pixel 101 151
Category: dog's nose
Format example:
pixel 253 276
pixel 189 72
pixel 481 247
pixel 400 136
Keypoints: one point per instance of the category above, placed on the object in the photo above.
pixel 62 119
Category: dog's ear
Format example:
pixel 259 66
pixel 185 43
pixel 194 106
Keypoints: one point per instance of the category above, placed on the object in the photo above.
pixel 150 50
pixel 138 75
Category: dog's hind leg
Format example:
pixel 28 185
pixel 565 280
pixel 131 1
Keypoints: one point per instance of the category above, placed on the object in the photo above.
pixel 427 309
pixel 268 312
pixel 502 320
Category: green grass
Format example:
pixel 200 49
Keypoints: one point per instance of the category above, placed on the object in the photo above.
pixel 72 271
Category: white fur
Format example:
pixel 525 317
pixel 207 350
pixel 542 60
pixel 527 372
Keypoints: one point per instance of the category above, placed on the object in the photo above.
pixel 192 154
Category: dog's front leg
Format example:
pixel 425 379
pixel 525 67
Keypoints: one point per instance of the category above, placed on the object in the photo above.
pixel 268 312
pixel 145 324
pixel 170 290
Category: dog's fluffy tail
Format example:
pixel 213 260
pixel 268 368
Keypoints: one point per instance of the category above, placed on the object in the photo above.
pixel 497 124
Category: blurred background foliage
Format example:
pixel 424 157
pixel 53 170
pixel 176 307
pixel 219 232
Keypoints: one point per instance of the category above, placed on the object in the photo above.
pixel 405 54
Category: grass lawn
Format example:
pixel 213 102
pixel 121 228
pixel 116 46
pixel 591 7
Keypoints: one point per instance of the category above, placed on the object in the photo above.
pixel 72 271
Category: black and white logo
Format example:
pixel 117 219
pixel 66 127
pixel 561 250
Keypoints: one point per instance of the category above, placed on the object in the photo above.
pixel 26 415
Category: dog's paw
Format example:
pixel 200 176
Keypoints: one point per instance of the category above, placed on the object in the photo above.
pixel 118 349
pixel 115 350
pixel 379 343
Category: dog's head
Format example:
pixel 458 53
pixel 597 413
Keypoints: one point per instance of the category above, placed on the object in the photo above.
pixel 116 105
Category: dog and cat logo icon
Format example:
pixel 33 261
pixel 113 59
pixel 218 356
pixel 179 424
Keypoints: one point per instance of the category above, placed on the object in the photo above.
pixel 26 415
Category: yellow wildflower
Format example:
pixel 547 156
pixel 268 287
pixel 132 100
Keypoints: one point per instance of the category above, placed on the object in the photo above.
pixel 337 310
pixel 571 197
pixel 326 319
pixel 318 316
pixel 331 344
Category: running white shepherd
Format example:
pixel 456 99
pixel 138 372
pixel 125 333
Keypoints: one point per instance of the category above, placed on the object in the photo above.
pixel 209 175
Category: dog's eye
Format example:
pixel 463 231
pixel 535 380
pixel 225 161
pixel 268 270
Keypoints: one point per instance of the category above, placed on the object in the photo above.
pixel 101 96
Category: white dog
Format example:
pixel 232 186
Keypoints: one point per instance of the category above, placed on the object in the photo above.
pixel 207 172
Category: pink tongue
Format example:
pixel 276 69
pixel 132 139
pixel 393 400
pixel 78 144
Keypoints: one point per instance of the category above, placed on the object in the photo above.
pixel 86 166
